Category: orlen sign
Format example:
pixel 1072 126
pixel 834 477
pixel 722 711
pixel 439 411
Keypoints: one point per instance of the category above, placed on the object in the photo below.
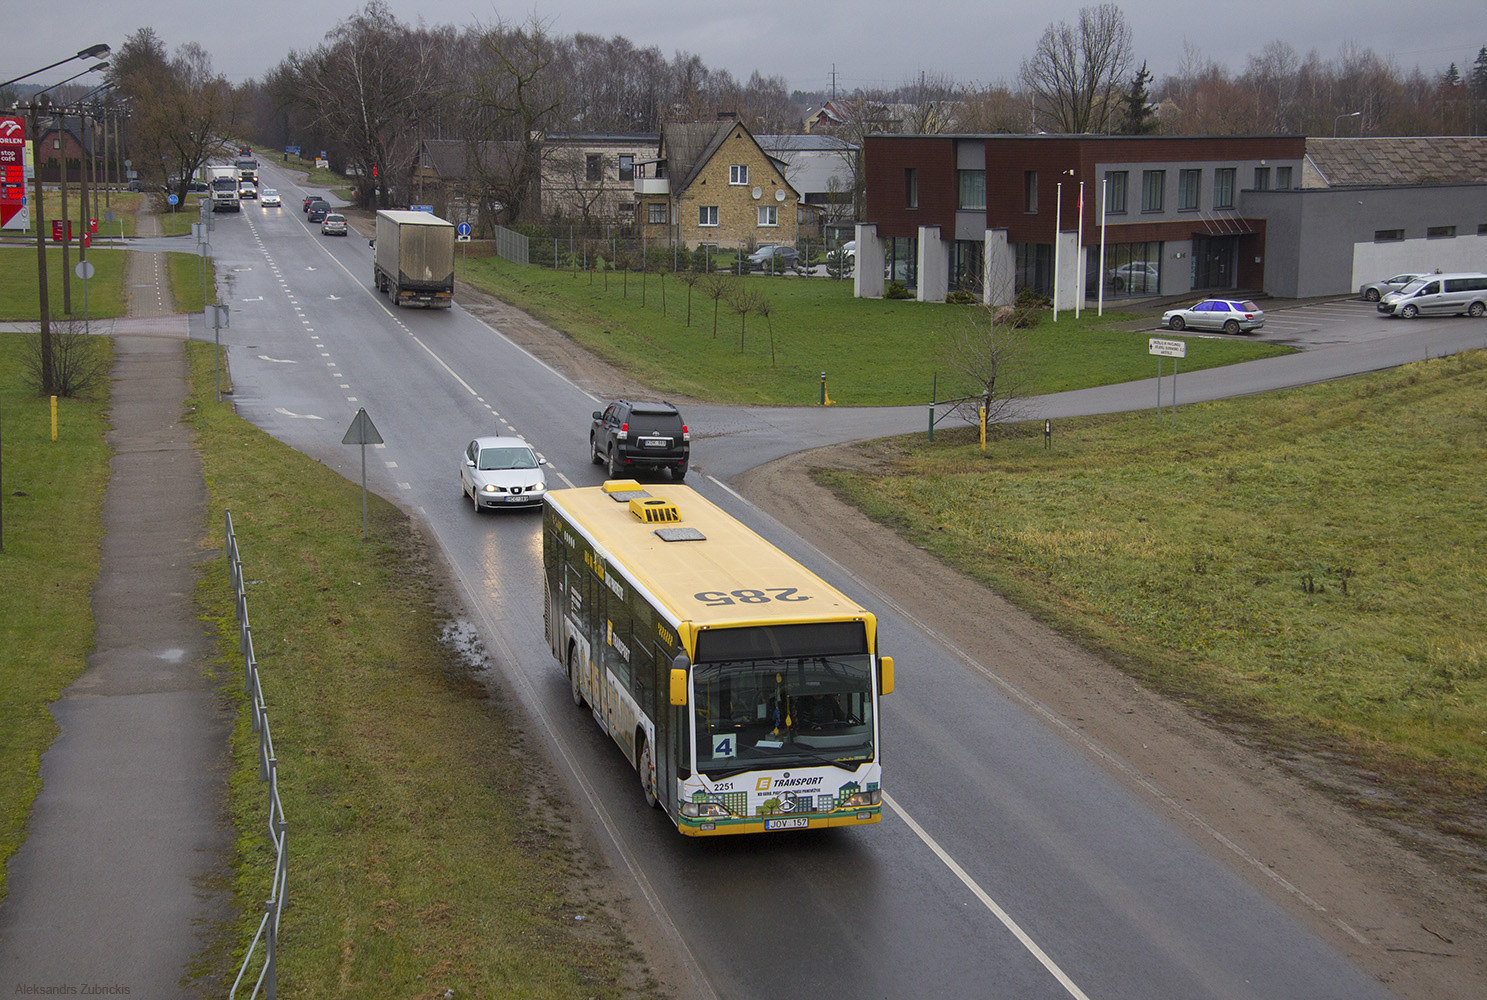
pixel 12 141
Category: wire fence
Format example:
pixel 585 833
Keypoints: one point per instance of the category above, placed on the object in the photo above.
pixel 618 248
pixel 266 961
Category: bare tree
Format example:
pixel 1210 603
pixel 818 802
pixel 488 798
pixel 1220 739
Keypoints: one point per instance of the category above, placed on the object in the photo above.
pixel 1076 71
pixel 986 347
pixel 181 110
pixel 514 100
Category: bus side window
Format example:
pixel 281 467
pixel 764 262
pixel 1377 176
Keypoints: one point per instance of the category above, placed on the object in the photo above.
pixel 643 677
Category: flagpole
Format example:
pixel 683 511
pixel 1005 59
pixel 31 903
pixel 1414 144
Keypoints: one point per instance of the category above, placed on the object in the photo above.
pixel 1079 262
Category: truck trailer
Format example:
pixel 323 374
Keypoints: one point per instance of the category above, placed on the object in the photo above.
pixel 224 184
pixel 413 258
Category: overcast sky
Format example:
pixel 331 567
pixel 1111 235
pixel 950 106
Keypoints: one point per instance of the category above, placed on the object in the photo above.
pixel 867 43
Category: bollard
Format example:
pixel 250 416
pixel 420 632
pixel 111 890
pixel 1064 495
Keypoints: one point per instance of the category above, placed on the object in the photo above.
pixel 54 416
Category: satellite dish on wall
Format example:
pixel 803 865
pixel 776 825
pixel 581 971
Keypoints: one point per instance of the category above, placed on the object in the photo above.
pixel 779 194
pixel 757 194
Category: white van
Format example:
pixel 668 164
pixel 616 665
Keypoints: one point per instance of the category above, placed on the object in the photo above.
pixel 1438 295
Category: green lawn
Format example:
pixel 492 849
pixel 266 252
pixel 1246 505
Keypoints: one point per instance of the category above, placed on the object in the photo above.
pixel 51 503
pixel 429 849
pixel 874 352
pixel 1307 563
pixel 20 298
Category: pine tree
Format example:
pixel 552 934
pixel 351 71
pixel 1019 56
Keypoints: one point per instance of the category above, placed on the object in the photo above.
pixel 1136 114
pixel 1478 90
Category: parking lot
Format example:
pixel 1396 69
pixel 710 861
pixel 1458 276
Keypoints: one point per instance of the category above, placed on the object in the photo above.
pixel 1320 323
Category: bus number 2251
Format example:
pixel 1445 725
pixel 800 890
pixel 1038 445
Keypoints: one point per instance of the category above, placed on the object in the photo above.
pixel 716 598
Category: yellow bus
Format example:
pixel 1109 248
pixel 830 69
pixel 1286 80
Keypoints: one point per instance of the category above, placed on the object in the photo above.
pixel 742 687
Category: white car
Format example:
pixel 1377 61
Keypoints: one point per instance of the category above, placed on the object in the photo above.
pixel 1228 315
pixel 502 472
pixel 270 199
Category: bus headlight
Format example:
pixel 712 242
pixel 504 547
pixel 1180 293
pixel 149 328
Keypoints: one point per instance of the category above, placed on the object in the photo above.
pixel 704 810
pixel 861 799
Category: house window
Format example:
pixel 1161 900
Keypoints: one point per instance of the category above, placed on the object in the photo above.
pixel 769 215
pixel 627 167
pixel 707 215
pixel 1029 190
pixel 973 189
pixel 1262 178
pixel 1188 182
pixel 1283 177
pixel 1115 192
pixel 1223 187
pixel 657 215
pixel 1153 188
pixel 911 187
pixel 1440 232
pixel 1388 235
pixel 627 210
pixel 594 167
pixel 738 173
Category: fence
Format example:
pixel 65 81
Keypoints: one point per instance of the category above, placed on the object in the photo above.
pixel 268 770
pixel 582 247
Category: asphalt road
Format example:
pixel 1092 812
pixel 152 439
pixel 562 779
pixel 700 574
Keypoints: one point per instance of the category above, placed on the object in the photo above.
pixel 1009 863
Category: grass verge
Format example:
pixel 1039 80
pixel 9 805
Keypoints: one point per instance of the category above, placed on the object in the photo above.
pixel 1304 563
pixel 51 514
pixel 874 352
pixel 427 850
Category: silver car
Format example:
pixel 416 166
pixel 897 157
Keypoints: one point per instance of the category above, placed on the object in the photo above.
pixel 1225 315
pixel 1375 290
pixel 502 472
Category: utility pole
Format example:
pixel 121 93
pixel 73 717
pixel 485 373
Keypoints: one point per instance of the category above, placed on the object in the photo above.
pixel 48 386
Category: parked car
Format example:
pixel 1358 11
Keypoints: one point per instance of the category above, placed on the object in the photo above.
pixel 318 210
pixel 1226 315
pixel 775 255
pixel 1438 295
pixel 269 198
pixel 247 192
pixel 630 436
pixel 1138 276
pixel 502 472
pixel 1375 290
pixel 334 224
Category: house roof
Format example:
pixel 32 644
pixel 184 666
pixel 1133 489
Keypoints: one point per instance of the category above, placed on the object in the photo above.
pixel 1398 160
pixel 449 157
pixel 688 146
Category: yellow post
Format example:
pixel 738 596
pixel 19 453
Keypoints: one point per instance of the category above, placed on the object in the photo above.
pixel 54 418
pixel 981 418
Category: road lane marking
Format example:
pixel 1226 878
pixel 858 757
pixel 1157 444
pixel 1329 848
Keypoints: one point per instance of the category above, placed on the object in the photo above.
pixel 986 901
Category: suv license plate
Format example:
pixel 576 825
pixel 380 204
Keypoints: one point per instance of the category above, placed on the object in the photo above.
pixel 655 442
pixel 793 823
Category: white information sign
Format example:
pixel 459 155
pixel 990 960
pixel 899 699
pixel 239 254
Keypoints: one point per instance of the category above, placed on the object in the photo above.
pixel 1168 348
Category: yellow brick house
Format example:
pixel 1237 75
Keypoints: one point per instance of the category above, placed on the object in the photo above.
pixel 713 184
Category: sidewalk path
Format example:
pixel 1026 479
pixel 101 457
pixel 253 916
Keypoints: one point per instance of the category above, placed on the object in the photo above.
pixel 122 876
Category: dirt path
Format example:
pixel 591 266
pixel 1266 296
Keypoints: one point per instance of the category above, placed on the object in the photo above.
pixel 1413 916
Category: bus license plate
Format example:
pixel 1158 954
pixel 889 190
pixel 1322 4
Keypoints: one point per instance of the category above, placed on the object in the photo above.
pixel 793 823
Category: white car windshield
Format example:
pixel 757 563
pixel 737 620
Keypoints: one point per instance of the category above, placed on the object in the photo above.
pixel 492 459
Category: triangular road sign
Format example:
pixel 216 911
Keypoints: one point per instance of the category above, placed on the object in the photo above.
pixel 361 430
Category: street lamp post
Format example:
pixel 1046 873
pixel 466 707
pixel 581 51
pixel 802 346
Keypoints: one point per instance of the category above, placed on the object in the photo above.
pixel 1336 121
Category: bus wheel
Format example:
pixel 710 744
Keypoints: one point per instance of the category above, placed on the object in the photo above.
pixel 648 773
pixel 573 676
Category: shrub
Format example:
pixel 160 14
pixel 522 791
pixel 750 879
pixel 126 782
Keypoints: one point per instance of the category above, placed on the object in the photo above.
pixel 897 290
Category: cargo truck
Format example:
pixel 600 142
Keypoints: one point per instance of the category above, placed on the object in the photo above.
pixel 413 258
pixel 224 184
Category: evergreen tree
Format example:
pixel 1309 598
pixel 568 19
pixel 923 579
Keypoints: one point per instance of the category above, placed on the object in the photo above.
pixel 1136 114
pixel 1479 93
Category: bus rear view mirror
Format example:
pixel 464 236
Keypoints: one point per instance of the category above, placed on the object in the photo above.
pixel 885 675
pixel 679 688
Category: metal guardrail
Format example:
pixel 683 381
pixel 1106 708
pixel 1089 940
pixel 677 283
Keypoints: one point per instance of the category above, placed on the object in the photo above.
pixel 268 770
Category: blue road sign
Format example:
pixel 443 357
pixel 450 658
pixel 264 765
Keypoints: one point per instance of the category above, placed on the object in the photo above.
pixel 172 200
pixel 464 229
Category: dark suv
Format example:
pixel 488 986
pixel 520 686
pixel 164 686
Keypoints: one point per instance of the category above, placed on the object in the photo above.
pixel 631 436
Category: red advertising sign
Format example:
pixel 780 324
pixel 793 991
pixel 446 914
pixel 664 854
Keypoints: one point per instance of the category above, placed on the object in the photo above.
pixel 59 234
pixel 12 141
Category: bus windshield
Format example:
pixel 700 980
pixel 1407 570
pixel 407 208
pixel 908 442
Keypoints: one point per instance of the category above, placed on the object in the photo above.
pixel 783 713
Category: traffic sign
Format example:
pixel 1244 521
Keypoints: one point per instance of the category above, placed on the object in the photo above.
pixel 361 430
pixel 1167 348
pixel 84 269
pixel 172 200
